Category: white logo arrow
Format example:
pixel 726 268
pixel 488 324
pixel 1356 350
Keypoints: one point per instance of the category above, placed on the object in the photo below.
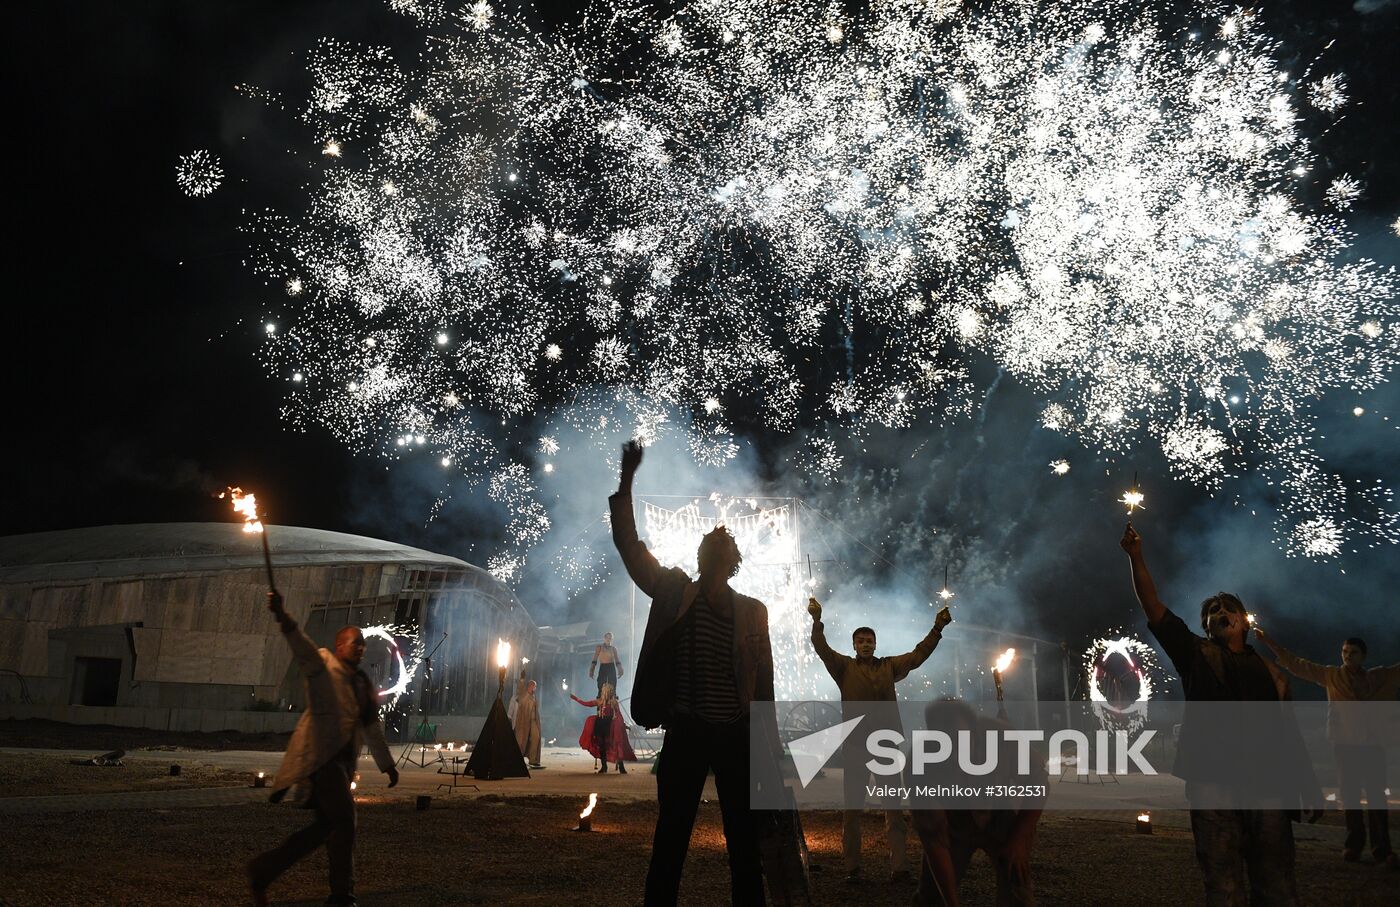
pixel 812 752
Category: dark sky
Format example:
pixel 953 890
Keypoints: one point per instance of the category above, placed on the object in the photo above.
pixel 132 386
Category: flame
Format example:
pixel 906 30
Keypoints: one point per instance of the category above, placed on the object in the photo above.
pixel 1144 817
pixel 1133 499
pixel 502 653
pixel 245 504
pixel 945 593
pixel 565 684
pixel 1250 617
pixel 588 810
pixel 1004 661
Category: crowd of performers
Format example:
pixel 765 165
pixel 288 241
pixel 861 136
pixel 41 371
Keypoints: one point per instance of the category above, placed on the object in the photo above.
pixel 706 658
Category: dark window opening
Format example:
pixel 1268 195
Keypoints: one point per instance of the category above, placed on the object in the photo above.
pixel 96 681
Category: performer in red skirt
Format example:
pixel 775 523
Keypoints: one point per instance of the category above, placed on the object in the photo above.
pixel 605 734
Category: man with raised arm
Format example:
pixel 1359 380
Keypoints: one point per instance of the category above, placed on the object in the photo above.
pixel 868 679
pixel 705 658
pixel 1231 843
pixel 1357 743
pixel 341 716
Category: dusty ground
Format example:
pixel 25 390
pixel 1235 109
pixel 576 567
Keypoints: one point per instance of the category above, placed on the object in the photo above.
pixel 489 850
pixel 36 776
pixel 42 734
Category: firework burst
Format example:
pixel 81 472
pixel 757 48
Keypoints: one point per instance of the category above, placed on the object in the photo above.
pixel 772 219
pixel 198 173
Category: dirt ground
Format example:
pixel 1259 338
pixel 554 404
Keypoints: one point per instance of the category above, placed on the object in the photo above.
pixel 488 850
pixel 55 735
pixel 37 776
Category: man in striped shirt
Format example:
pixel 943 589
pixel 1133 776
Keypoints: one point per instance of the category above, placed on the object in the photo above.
pixel 705 658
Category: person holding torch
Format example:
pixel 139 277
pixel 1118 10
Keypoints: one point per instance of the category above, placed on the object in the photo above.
pixel 341 716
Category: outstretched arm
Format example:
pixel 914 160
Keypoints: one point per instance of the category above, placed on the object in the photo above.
pixel 308 657
pixel 1142 579
pixel 911 660
pixel 590 703
pixel 641 564
pixel 835 662
pixel 1298 667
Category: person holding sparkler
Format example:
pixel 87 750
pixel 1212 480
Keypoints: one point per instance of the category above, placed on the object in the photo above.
pixel 1355 741
pixel 605 734
pixel 705 657
pixel 864 681
pixel 342 714
pixel 1231 843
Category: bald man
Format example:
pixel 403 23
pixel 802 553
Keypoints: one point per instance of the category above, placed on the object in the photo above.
pixel 342 714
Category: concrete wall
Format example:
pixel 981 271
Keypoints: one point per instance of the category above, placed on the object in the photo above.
pixel 159 719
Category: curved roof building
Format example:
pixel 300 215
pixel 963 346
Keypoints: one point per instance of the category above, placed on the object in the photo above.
pixel 165 625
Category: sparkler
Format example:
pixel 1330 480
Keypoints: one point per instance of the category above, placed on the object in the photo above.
pixel 247 506
pixel 945 593
pixel 1112 212
pixel 1133 498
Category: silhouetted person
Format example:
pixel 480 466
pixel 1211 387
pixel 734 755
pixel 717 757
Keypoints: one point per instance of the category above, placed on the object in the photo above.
pixel 341 715
pixel 951 837
pixel 1230 843
pixel 1356 743
pixel 704 658
pixel 862 680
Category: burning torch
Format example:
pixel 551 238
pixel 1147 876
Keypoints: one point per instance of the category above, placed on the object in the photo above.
pixel 247 506
pixel 585 818
pixel 502 659
pixel 1002 663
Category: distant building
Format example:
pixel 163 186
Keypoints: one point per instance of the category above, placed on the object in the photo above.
pixel 165 625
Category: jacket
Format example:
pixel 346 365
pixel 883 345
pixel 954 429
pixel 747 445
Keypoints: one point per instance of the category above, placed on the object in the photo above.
pixel 331 720
pixel 1346 724
pixel 672 592
pixel 871 681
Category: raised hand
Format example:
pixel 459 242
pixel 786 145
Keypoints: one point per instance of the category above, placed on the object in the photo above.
pixel 814 608
pixel 631 457
pixel 1131 542
pixel 943 618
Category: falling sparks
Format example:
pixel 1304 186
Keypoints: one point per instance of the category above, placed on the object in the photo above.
pixel 1107 214
pixel 198 173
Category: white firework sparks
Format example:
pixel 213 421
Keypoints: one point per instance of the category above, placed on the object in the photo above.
pixel 1059 467
pixel 199 173
pixel 1328 93
pixel 1343 192
pixel 1092 201
pixel 1141 662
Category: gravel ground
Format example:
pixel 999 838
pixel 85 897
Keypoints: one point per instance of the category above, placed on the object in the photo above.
pixel 36 776
pixel 487 850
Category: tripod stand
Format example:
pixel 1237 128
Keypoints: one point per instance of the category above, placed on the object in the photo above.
pixel 424 729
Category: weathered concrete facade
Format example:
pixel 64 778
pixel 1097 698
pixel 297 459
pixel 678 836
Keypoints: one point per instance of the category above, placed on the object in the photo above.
pixel 165 625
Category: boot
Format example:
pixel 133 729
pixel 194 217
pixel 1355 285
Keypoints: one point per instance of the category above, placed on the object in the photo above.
pixel 621 769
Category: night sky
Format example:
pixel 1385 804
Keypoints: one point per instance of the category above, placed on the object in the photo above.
pixel 133 387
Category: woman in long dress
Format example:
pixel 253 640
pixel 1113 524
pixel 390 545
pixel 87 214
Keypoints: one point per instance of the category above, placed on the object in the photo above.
pixel 605 733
